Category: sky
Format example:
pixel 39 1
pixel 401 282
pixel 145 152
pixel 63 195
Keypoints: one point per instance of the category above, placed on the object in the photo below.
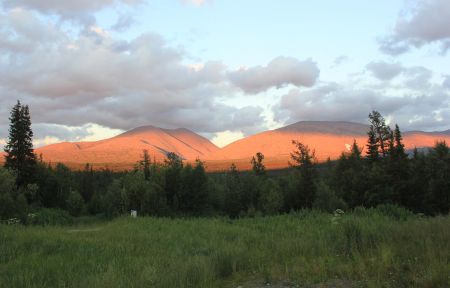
pixel 91 69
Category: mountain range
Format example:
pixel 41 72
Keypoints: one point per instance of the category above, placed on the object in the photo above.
pixel 328 139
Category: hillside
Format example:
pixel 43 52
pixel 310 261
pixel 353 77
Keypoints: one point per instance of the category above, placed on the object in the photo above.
pixel 124 150
pixel 328 139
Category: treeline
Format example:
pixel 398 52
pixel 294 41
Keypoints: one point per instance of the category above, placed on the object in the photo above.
pixel 376 173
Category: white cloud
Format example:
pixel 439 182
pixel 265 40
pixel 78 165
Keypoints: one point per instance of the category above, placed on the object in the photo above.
pixel 224 138
pixel 197 2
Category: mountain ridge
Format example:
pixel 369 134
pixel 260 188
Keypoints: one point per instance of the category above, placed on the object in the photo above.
pixel 328 138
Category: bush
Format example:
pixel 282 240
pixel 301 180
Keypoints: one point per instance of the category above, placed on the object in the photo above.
pixel 75 203
pixel 271 199
pixel 326 199
pixel 394 212
pixel 48 216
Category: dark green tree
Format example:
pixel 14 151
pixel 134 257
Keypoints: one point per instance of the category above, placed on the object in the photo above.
pixel 145 164
pixel 233 205
pixel 372 146
pixel 193 195
pixel 381 131
pixel 399 146
pixel 304 161
pixel 438 194
pixel 87 187
pixel 398 168
pixel 20 155
pixel 257 164
pixel 172 185
pixel 75 203
pixel 349 179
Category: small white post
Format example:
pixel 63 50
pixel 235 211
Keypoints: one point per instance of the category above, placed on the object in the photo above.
pixel 133 213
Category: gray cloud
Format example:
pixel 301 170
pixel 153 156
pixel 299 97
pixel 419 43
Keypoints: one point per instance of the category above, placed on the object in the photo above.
pixel 79 11
pixel 385 71
pixel 93 78
pixel 124 21
pixel 339 60
pixel 415 77
pixel 279 72
pixel 330 101
pixel 446 82
pixel 426 22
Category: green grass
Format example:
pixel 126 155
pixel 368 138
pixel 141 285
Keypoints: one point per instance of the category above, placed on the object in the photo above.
pixel 307 249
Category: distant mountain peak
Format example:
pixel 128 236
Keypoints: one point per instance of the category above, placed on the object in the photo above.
pixel 327 127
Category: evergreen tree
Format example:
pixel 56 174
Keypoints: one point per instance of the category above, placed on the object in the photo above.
pixel 349 179
pixel 20 156
pixel 304 161
pixel 399 147
pixel 233 193
pixel 87 183
pixel 399 168
pixel 172 185
pixel 355 152
pixel 438 196
pixel 372 146
pixel 145 164
pixel 258 167
pixel 193 195
pixel 381 132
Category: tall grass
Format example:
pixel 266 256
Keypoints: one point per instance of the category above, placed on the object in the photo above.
pixel 369 248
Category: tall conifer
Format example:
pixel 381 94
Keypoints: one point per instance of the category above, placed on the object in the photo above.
pixel 20 155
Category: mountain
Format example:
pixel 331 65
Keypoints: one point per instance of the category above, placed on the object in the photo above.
pixel 124 150
pixel 328 139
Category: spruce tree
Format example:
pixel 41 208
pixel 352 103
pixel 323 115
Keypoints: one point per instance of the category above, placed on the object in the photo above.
pixel 258 167
pixel 20 155
pixel 372 146
pixel 381 131
pixel 399 147
pixel 304 161
pixel 145 164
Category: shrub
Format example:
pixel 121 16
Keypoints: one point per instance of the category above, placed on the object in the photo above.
pixel 48 216
pixel 326 199
pixel 394 212
pixel 75 203
pixel 271 199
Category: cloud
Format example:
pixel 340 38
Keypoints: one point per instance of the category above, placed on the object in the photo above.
pixel 414 77
pixel 73 80
pixel 425 22
pixel 385 71
pixel 197 2
pixel 124 22
pixel 446 82
pixel 340 60
pixel 80 11
pixel 412 109
pixel 280 72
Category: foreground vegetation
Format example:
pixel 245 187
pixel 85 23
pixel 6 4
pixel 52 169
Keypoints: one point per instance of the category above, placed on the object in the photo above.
pixel 383 247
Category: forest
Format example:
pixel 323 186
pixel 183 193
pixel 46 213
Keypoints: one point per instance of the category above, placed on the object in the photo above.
pixel 377 173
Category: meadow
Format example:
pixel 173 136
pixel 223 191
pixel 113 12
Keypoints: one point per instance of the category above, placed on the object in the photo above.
pixel 365 248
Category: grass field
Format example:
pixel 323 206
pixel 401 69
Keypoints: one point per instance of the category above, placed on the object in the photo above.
pixel 305 249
